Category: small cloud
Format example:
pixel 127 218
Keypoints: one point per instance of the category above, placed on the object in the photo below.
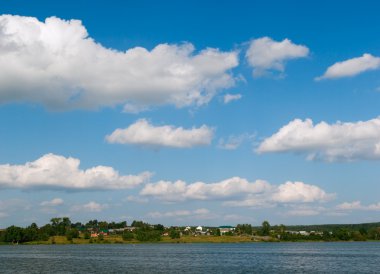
pixel 90 207
pixel 351 67
pixel 231 97
pixel 52 203
pixel 265 54
pixel 142 133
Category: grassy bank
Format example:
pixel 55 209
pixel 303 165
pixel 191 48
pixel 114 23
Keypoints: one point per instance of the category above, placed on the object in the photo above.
pixel 117 239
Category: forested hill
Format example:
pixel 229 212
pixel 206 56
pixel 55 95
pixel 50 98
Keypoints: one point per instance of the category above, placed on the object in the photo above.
pixel 330 227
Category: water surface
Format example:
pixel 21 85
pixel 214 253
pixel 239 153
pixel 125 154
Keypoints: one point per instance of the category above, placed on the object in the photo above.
pixel 351 257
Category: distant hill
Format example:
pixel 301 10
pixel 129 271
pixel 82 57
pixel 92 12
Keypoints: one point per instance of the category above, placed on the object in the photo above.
pixel 328 227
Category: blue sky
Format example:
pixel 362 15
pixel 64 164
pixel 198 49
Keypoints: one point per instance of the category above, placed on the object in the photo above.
pixel 140 101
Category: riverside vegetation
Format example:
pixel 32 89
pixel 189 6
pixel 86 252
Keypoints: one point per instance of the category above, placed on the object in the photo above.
pixel 63 231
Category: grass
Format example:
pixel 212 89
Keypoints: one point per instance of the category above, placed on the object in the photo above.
pixel 117 239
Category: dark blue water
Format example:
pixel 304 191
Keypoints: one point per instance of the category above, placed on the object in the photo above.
pixel 363 257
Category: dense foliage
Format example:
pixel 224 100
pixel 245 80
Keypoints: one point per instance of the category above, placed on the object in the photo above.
pixel 145 232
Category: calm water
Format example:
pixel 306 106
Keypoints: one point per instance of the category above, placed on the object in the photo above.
pixel 193 258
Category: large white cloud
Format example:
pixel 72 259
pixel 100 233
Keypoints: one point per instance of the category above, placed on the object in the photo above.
pixel 351 67
pixel 265 54
pixel 58 172
pixel 56 63
pixel 330 142
pixel 143 133
pixel 237 191
pixel 180 190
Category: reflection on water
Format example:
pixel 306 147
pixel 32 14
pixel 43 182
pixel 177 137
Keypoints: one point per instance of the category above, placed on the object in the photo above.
pixel 363 257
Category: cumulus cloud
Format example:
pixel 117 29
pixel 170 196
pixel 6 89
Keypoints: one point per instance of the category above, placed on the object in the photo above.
pixel 330 142
pixel 265 54
pixel 180 190
pixel 300 192
pixel 231 97
pixel 90 207
pixel 351 67
pixel 53 202
pixel 57 64
pixel 143 133
pixel 238 191
pixel 357 205
pixel 57 172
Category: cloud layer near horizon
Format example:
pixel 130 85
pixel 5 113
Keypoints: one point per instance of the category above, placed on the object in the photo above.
pixel 329 142
pixel 145 134
pixel 237 191
pixel 57 172
pixel 55 63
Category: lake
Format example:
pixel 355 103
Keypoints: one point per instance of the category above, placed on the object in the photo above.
pixel 342 257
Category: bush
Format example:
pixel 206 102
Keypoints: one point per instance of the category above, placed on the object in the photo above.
pixel 100 237
pixel 87 235
pixel 174 234
pixel 127 235
pixel 72 233
pixel 148 235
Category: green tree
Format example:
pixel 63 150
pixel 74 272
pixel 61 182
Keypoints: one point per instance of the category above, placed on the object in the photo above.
pixel 14 234
pixel 265 228
pixel 174 234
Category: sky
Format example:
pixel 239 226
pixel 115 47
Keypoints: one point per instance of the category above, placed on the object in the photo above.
pixel 189 112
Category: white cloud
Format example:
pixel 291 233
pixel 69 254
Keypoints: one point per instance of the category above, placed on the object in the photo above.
pixel 3 215
pixel 56 63
pixel 237 191
pixel 143 133
pixel 231 97
pixel 233 141
pixel 90 207
pixel 300 192
pixel 57 172
pixel 265 54
pixel 351 67
pixel 179 190
pixel 357 205
pixel 53 202
pixel 330 142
